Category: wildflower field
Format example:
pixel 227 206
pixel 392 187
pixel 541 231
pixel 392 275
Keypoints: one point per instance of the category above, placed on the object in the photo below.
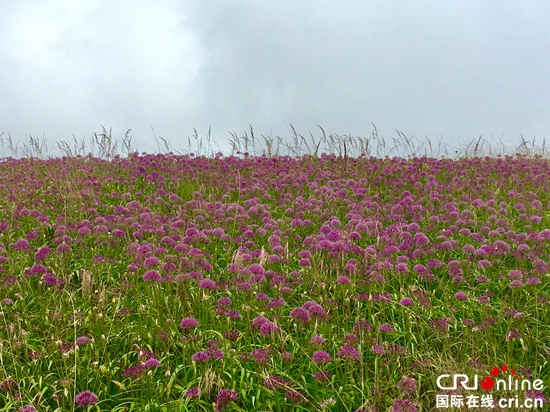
pixel 271 283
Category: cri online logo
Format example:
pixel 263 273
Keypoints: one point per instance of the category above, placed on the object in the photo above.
pixel 490 382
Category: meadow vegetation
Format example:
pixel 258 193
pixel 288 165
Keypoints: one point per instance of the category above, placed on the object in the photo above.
pixel 328 274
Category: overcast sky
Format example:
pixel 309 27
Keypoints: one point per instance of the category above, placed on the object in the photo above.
pixel 450 70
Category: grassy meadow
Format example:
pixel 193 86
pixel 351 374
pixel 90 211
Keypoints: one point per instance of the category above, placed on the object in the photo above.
pixel 337 274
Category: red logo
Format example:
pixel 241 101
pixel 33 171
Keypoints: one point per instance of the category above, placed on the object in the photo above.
pixel 488 383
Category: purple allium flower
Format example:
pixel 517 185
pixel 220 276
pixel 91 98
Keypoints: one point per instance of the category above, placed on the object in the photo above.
pixel 304 262
pixel 152 276
pixel 275 303
pixel 268 328
pixel 274 382
pixel 200 357
pixel 224 398
pixel 21 244
pixel 405 405
pixel 231 335
pixel 317 340
pixel 151 363
pixel 83 340
pixel 420 239
pixel 42 253
pixel 513 334
pixel 224 302
pixel 315 310
pixel 8 385
pixel 27 408
pixel 440 325
pixel 304 254
pixel 533 394
pixel 151 261
pixel 214 353
pixel 258 321
pixel 294 396
pixel 286 357
pixel 134 371
pixel 532 280
pixel 362 326
pixel 192 393
pixel 350 339
pixel 407 385
pixel 233 314
pixel 320 357
pixel 86 398
pixel 207 284
pixel 461 296
pixel 343 280
pixel 516 284
pixel 378 350
pixel 322 376
pixel 515 274
pixel 349 352
pixel 63 248
pixel 49 279
pixel 300 314
pixel 406 302
pixel 7 301
pixel 189 323
pixel 385 328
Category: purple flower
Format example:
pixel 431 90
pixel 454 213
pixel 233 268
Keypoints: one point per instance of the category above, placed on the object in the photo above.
pixel 207 284
pixel 225 397
pixel 200 357
pixel 151 363
pixel 516 284
pixel 86 398
pixel 152 276
pixel 189 323
pixel 515 274
pixel 317 340
pixel 320 357
pixel 294 396
pixel 513 334
pixel 533 394
pixel 405 405
pixel 276 383
pixel 233 314
pixel 8 385
pixel 268 328
pixel 300 314
pixel 258 321
pixel 349 352
pixel 461 296
pixel 192 393
pixel 42 253
pixel 385 328
pixel 27 408
pixel 322 376
pixel 224 302
pixel 343 280
pixel 134 371
pixel 362 326
pixel 21 244
pixel 304 262
pixel 49 279
pixel 83 340
pixel 407 385
pixel 378 350
pixel 406 302
pixel 315 310
pixel 151 261
pixel 420 239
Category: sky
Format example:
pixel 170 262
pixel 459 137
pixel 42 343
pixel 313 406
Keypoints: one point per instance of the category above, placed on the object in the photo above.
pixel 440 70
